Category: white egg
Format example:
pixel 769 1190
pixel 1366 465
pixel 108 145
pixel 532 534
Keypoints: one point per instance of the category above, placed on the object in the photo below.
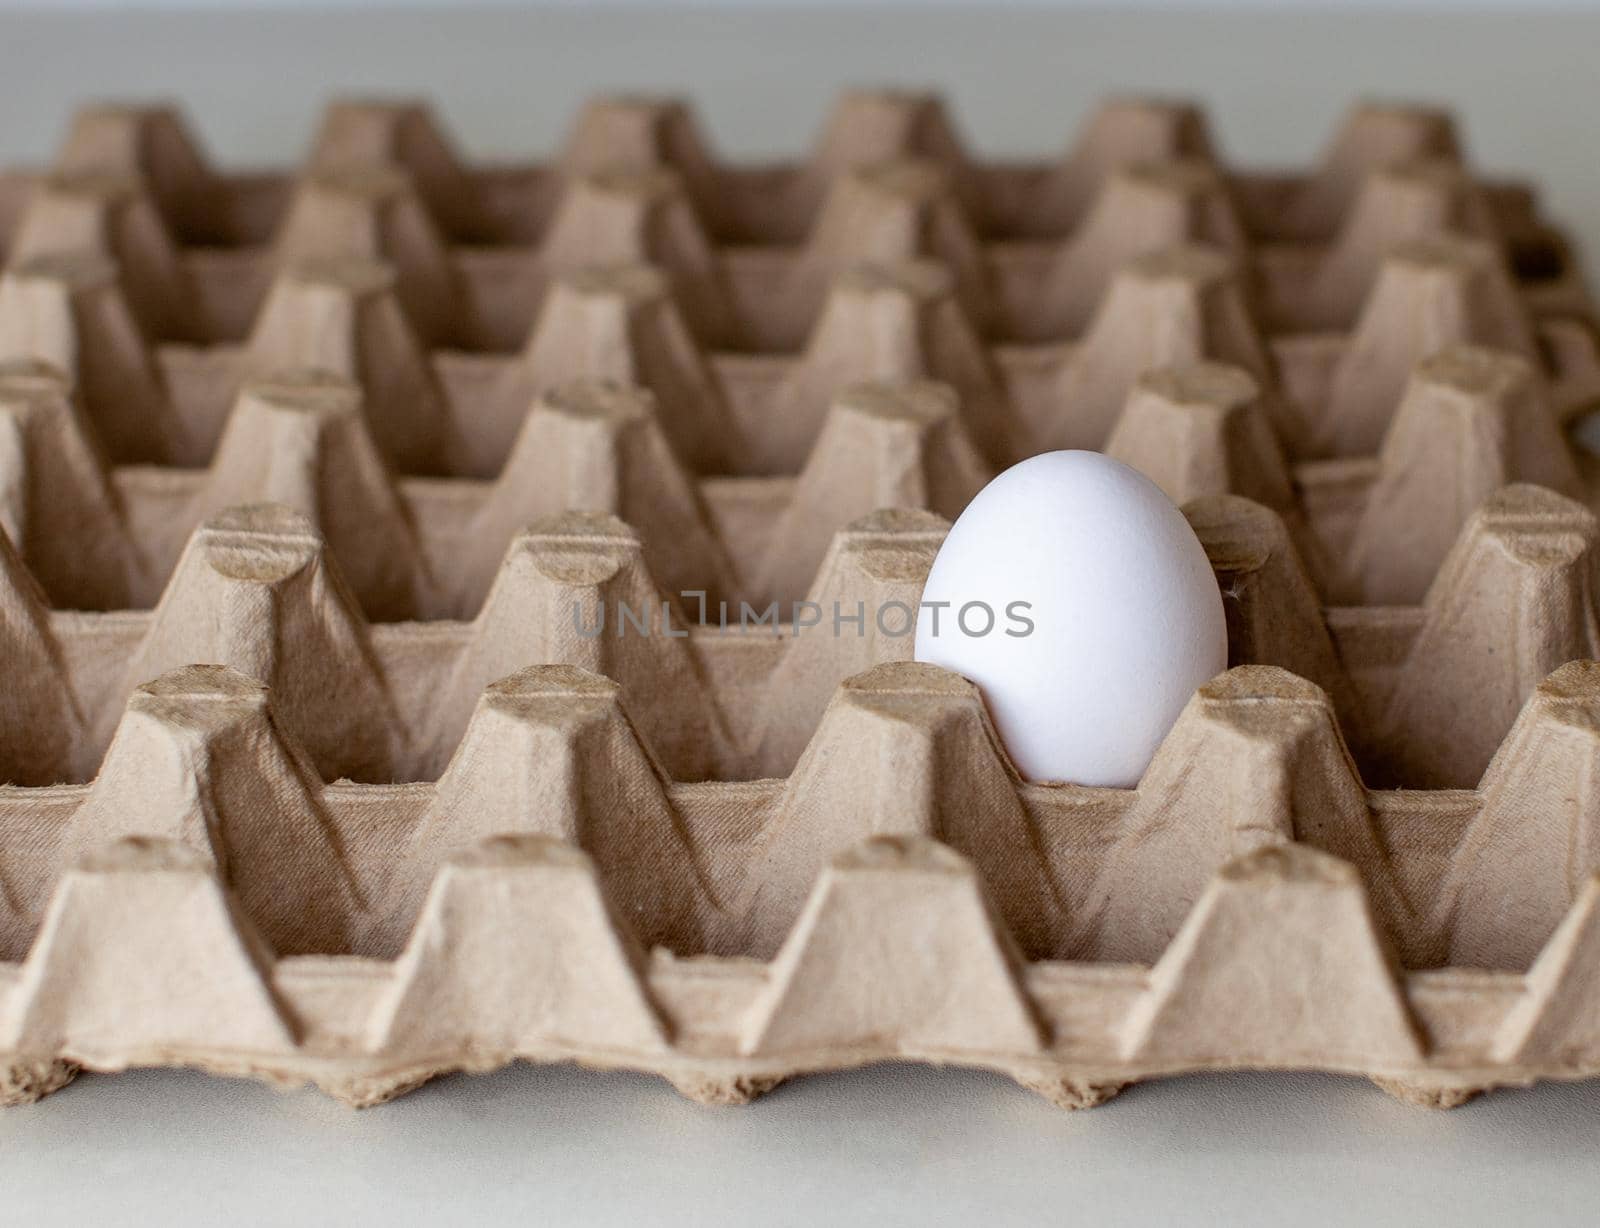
pixel 1078 599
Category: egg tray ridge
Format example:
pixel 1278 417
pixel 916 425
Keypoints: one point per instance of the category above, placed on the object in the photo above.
pixel 215 780
pixel 295 554
pixel 207 901
pixel 996 916
pixel 757 336
pixel 776 204
pixel 750 431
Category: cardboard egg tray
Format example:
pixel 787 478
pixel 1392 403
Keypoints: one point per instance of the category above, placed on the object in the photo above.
pixel 1391 226
pixel 320 771
pixel 1149 158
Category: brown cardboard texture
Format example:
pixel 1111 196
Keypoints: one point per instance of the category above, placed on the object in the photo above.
pixel 460 614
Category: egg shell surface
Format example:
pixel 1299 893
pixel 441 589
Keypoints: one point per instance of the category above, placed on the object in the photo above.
pixel 1126 617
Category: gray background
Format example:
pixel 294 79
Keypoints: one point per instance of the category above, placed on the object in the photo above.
pixel 895 1144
